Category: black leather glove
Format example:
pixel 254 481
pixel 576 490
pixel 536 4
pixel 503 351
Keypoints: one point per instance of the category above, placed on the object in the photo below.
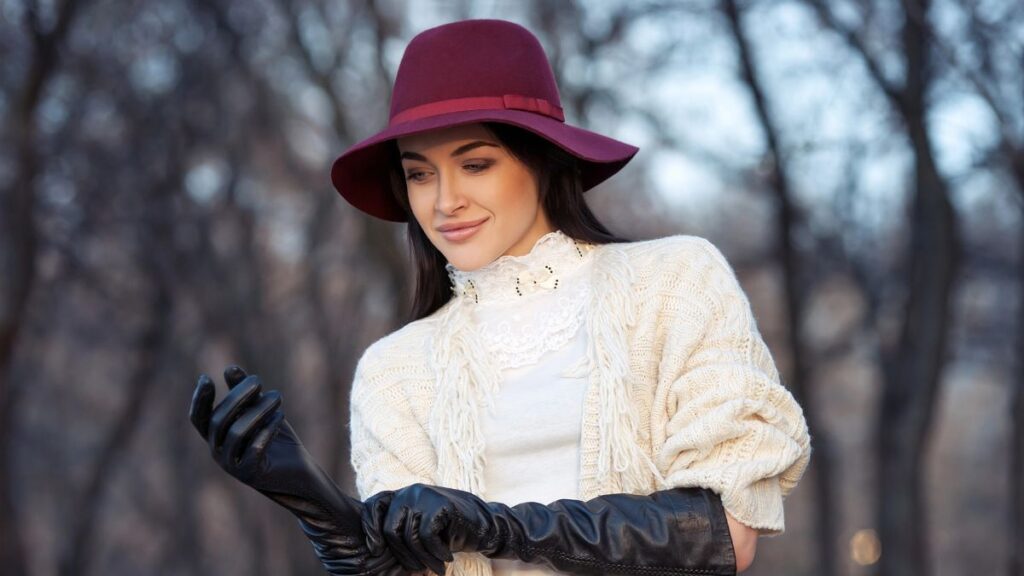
pixel 250 439
pixel 675 531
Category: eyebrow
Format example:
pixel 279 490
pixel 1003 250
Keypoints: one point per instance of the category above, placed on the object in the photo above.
pixel 460 150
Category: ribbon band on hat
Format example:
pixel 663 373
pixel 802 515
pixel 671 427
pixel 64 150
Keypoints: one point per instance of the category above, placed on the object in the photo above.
pixel 508 101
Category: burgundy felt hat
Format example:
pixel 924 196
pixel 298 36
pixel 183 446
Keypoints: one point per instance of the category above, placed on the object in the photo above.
pixel 463 72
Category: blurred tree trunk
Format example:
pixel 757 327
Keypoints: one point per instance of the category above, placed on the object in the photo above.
pixel 185 551
pixel 1015 157
pixel 139 384
pixel 786 224
pixel 18 241
pixel 914 369
pixel 153 225
pixel 1000 93
pixel 913 365
pixel 1016 541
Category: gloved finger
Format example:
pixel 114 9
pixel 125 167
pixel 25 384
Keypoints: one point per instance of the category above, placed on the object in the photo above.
pixel 234 403
pixel 394 528
pixel 202 405
pixel 247 425
pixel 233 375
pixel 374 512
pixel 415 544
pixel 429 536
pixel 260 441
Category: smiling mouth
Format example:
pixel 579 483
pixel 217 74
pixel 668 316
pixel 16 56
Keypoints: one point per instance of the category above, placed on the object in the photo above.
pixel 462 233
pixel 463 225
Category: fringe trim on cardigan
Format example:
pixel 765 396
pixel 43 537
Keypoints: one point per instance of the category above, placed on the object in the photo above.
pixel 608 326
pixel 466 383
pixel 460 364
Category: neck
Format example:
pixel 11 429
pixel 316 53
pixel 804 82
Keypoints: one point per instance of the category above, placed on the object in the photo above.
pixel 552 257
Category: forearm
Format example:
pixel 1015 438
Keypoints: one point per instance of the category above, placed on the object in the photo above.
pixel 671 532
pixel 744 541
pixel 667 532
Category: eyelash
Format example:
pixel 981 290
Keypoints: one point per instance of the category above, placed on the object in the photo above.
pixel 482 166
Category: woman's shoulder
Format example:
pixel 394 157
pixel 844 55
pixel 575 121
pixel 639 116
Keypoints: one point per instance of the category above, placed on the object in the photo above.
pixel 679 253
pixel 406 346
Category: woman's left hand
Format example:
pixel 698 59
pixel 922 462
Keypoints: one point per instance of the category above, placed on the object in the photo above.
pixel 423 525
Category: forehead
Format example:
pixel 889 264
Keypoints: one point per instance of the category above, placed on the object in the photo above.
pixel 443 137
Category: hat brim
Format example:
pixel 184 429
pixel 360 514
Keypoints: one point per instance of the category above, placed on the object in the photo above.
pixel 361 173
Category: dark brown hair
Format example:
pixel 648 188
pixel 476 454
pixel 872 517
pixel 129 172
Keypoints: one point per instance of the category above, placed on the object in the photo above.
pixel 561 195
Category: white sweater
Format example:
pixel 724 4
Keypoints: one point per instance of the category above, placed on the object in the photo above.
pixel 578 370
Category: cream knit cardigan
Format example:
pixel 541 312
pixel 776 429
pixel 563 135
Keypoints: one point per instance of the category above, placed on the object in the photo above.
pixel 683 392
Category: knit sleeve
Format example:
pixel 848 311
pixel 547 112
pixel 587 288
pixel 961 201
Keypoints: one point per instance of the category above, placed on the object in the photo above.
pixel 732 426
pixel 390 448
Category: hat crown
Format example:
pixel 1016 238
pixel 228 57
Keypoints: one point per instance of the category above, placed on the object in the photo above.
pixel 472 58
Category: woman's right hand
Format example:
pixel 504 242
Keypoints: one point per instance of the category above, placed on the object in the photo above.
pixel 250 439
pixel 240 428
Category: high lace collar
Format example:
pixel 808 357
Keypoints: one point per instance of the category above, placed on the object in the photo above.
pixel 553 256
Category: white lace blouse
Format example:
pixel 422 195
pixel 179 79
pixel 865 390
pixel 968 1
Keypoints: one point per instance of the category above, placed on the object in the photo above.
pixel 529 311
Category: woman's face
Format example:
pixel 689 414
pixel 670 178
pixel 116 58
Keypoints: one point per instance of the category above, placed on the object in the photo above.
pixel 463 175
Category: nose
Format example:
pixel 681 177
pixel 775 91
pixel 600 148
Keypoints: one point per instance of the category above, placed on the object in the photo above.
pixel 449 194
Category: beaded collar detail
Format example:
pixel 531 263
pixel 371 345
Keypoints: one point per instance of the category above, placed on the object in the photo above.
pixel 552 257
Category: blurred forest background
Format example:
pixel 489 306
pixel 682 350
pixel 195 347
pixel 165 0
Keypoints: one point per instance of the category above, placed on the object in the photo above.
pixel 166 210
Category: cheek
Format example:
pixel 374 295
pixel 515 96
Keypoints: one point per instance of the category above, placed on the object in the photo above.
pixel 421 211
pixel 520 195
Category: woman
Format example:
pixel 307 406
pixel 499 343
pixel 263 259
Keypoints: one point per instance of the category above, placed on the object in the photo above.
pixel 625 384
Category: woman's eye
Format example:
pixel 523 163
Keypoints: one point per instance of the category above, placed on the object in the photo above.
pixel 477 166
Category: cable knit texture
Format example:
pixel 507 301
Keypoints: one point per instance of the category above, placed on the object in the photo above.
pixel 682 389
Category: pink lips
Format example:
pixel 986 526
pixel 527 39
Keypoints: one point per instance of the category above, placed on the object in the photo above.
pixel 462 233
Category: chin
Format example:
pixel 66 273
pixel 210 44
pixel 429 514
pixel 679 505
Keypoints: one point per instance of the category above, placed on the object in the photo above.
pixel 467 264
pixel 468 258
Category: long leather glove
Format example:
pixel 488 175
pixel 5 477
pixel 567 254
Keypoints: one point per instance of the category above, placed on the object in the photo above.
pixel 250 439
pixel 675 531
